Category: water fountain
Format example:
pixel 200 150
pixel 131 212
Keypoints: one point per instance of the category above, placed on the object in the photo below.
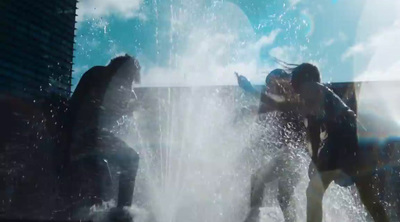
pixel 198 152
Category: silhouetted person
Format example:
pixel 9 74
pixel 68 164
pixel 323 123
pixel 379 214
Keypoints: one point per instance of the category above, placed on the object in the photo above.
pixel 282 167
pixel 336 156
pixel 103 95
pixel 78 130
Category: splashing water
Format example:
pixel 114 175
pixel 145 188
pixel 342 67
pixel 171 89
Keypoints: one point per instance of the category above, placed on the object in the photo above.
pixel 197 158
pixel 189 150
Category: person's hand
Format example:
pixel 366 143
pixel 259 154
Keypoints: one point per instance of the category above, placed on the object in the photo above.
pixel 244 83
pixel 311 170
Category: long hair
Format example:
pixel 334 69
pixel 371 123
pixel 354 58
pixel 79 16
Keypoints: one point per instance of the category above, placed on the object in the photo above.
pixel 276 73
pixel 301 73
pixel 288 67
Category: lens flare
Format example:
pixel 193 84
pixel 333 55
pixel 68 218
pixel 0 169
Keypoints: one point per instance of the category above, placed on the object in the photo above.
pixel 307 21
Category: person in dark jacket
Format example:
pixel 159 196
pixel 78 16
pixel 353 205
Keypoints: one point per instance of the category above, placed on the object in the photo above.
pixel 103 95
pixel 336 156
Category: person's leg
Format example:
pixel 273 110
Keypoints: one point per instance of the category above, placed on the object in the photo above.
pixel 319 182
pixel 129 165
pixel 370 199
pixel 119 154
pixel 127 161
pixel 263 176
pixel 285 193
pixel 287 182
pixel 361 169
pixel 258 181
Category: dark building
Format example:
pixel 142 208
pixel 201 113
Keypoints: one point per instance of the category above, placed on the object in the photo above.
pixel 36 47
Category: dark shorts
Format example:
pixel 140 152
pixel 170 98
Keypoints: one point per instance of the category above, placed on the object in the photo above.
pixel 340 151
pixel 104 145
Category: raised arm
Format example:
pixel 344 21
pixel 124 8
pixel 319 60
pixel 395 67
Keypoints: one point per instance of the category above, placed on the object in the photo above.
pixel 246 85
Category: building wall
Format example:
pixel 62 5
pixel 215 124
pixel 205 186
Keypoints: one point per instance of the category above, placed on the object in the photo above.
pixel 36 47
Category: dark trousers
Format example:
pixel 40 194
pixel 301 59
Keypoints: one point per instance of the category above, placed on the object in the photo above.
pixel 106 147
pixel 340 160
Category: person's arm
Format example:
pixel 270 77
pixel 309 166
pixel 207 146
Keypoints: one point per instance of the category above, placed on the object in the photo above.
pixel 245 84
pixel 267 102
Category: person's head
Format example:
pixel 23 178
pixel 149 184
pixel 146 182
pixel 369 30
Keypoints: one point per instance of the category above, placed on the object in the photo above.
pixel 127 66
pixel 277 82
pixel 119 96
pixel 304 73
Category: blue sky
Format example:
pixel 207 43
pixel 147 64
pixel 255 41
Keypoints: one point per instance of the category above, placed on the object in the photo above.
pixel 201 42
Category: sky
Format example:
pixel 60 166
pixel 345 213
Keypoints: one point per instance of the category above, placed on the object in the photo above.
pixel 202 42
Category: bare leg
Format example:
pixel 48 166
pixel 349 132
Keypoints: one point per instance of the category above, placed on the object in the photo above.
pixel 370 199
pixel 317 186
pixel 258 181
pixel 285 193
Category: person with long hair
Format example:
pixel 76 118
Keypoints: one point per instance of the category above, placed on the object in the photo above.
pixel 281 168
pixel 336 156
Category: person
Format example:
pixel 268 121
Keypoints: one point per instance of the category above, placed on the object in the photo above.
pixel 103 95
pixel 336 156
pixel 282 167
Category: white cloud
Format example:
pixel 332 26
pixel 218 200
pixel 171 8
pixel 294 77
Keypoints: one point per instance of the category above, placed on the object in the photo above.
pixel 328 42
pixel 100 23
pixel 341 37
pixel 294 2
pixel 389 73
pixel 386 39
pixel 354 50
pixel 381 55
pixel 286 53
pixel 297 55
pixel 89 9
pixel 211 50
pixel 377 58
pixel 211 59
pixel 267 40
